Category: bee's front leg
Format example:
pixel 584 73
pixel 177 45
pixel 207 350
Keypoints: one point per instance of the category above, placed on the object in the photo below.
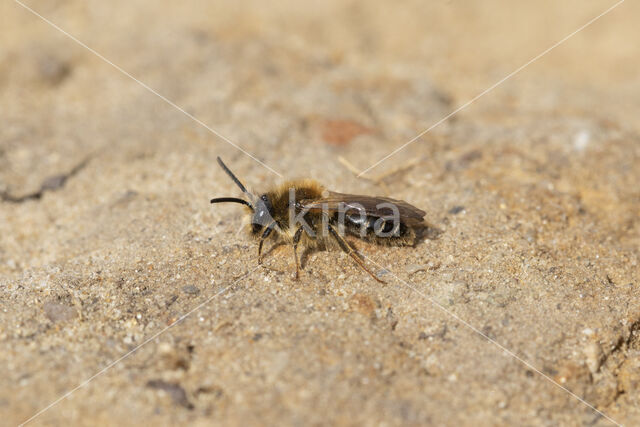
pixel 265 234
pixel 296 239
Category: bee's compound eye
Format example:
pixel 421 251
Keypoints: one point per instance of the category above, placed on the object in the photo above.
pixel 264 208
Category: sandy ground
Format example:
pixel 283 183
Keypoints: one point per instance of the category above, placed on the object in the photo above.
pixel 107 237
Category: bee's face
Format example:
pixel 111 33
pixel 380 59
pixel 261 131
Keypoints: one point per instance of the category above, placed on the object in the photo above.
pixel 262 215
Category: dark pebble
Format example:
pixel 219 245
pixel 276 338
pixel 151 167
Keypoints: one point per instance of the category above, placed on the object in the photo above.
pixel 456 210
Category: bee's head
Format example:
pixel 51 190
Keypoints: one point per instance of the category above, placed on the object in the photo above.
pixel 261 207
pixel 262 214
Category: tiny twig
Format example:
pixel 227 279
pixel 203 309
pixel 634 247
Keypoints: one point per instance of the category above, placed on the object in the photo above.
pixel 379 179
pixel 51 183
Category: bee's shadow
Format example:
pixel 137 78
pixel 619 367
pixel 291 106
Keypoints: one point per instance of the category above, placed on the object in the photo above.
pixel 427 232
pixel 308 251
pixel 272 248
pixel 304 254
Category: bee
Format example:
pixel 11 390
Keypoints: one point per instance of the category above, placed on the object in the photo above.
pixel 304 211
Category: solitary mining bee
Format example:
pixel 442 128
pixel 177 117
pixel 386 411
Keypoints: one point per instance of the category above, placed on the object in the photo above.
pixel 304 210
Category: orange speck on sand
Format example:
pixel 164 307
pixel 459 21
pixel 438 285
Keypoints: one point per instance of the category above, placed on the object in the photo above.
pixel 342 132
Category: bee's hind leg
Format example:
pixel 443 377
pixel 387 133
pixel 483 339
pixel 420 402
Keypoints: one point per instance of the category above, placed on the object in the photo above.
pixel 296 239
pixel 348 249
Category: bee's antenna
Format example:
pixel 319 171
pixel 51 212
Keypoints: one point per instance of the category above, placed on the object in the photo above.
pixel 233 177
pixel 239 184
pixel 232 200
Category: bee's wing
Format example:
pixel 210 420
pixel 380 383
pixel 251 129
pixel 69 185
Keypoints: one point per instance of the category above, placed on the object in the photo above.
pixel 372 206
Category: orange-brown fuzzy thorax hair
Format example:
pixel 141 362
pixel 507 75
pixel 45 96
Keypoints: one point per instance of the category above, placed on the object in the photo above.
pixel 302 189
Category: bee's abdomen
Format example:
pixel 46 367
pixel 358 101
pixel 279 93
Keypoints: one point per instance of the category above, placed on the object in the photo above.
pixel 385 232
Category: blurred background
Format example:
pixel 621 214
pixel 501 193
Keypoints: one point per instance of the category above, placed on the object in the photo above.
pixel 107 162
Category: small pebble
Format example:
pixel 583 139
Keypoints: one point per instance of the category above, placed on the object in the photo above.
pixel 414 268
pixel 190 289
pixel 456 210
pixel 382 272
pixel 593 356
pixel 57 312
